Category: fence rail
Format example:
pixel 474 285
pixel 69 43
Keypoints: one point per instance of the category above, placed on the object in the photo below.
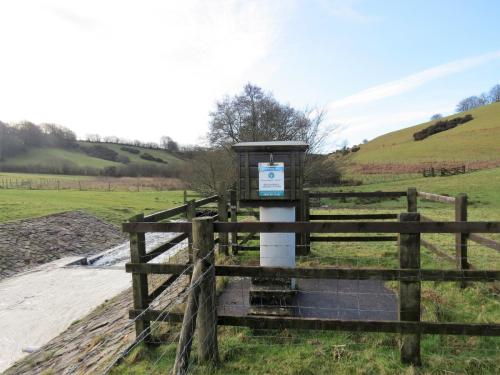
pixel 204 233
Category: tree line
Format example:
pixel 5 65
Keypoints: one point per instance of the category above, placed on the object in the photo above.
pixel 18 138
pixel 166 142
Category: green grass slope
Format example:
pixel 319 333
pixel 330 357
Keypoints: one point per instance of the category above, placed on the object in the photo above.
pixel 477 140
pixel 56 158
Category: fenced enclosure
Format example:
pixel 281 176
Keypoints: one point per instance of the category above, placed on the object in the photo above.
pixel 433 172
pixel 334 293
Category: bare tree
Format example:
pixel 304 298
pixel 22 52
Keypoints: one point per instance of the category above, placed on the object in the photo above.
pixel 93 138
pixel 111 139
pixel 469 103
pixel 255 115
pixel 209 168
pixel 495 93
pixel 436 116
pixel 169 144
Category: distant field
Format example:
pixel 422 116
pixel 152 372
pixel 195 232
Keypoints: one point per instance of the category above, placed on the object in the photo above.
pixel 58 158
pixel 29 181
pixel 115 207
pixel 476 142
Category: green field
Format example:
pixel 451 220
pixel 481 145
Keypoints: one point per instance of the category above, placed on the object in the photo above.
pixel 115 207
pixel 477 140
pixel 58 157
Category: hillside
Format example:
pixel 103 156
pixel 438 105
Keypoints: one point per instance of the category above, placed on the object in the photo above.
pixel 475 143
pixel 76 161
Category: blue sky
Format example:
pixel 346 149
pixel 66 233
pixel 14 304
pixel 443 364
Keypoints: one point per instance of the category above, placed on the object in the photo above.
pixel 142 69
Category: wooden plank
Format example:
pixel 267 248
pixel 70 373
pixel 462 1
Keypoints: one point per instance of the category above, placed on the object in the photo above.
pixel 222 216
pixel 461 238
pixel 205 201
pixel 436 250
pixel 353 238
pixel 164 247
pixel 234 218
pixel 247 176
pixel 160 289
pixel 353 194
pixel 249 237
pixel 139 282
pixel 326 227
pixel 273 322
pixel 485 241
pixel 409 291
pixel 412 199
pixel 190 215
pixel 162 215
pixel 324 272
pixel 306 216
pixel 354 217
pixel 357 227
pixel 435 197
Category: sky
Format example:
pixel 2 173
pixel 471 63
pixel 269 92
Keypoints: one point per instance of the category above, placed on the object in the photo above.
pixel 152 68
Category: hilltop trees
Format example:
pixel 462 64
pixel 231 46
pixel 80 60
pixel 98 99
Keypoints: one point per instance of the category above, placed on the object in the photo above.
pixel 495 93
pixel 255 115
pixel 476 101
pixel 436 116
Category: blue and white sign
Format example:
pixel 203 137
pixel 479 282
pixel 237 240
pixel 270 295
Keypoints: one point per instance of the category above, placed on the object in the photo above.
pixel 271 180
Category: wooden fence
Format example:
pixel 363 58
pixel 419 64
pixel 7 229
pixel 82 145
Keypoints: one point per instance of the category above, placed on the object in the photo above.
pixel 433 172
pixel 409 274
pixel 141 296
pixel 460 203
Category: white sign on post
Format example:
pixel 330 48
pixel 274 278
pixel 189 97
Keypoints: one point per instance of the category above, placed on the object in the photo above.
pixel 271 180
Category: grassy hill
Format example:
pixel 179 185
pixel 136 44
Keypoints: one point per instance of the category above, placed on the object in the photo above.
pixel 75 160
pixel 475 143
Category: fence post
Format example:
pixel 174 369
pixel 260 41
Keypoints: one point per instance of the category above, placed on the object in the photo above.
pixel 461 238
pixel 139 281
pixel 189 320
pixel 409 291
pixel 185 196
pixel 306 236
pixel 190 215
pixel 222 211
pixel 234 219
pixel 411 196
pixel 203 245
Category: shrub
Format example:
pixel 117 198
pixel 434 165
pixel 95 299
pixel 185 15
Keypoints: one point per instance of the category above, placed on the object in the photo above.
pixel 130 150
pixel 441 126
pixel 101 152
pixel 122 159
pixel 150 157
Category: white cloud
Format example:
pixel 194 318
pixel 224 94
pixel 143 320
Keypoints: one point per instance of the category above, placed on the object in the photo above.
pixel 346 10
pixel 411 82
pixel 131 68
